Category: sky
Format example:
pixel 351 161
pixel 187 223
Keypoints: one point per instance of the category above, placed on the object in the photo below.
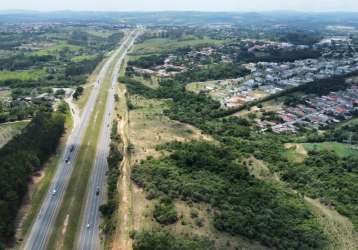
pixel 162 5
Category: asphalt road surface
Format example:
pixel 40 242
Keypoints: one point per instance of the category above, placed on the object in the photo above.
pixel 43 224
pixel 89 233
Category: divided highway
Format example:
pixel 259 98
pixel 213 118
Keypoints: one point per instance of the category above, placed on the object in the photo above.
pixel 89 232
pixel 44 222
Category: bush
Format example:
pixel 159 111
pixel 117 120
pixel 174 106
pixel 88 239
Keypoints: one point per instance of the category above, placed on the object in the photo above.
pixel 165 240
pixel 165 212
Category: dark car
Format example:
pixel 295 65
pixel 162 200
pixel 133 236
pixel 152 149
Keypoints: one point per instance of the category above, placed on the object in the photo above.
pixel 97 191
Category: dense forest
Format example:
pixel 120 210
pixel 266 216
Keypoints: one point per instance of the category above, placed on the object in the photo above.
pixel 240 204
pixel 20 159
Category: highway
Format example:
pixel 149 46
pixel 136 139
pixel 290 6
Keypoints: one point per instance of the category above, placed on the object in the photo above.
pixel 44 222
pixel 89 232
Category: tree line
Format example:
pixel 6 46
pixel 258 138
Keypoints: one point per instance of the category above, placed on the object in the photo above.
pixel 20 158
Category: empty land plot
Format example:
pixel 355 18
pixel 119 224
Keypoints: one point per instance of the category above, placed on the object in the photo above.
pixel 161 45
pixel 149 127
pixel 23 75
pixel 341 149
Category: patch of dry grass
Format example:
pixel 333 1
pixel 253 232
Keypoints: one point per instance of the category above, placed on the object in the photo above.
pixel 339 228
pixel 149 127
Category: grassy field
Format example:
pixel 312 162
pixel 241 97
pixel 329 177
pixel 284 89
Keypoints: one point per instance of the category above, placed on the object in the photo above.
pixel 343 150
pixel 160 45
pixel 83 58
pixel 55 48
pixel 9 130
pixel 23 75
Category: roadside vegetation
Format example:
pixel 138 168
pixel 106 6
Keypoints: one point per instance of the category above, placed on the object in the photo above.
pixel 22 157
pixel 219 174
pixel 164 239
pixel 114 159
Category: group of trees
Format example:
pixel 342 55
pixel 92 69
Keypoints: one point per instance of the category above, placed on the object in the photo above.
pixel 240 204
pixel 21 61
pixel 212 72
pixel 78 92
pixel 83 68
pixel 348 132
pixel 300 37
pixel 114 159
pixel 166 240
pixel 16 111
pixel 326 176
pixel 20 159
pixel 165 212
pixel 94 42
pixel 148 61
pixel 322 175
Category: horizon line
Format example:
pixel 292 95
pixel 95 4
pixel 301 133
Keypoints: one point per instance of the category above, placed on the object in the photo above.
pixel 198 11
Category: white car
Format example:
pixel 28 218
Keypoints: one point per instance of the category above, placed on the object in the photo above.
pixel 88 226
pixel 54 192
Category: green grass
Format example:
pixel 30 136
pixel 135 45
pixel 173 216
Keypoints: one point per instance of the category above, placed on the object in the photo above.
pixel 160 45
pixel 23 75
pixel 83 58
pixel 55 48
pixel 342 150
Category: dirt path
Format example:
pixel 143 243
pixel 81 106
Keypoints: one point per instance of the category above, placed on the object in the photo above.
pixel 75 112
pixel 121 239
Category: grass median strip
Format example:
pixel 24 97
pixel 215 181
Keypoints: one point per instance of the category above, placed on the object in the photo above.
pixel 69 217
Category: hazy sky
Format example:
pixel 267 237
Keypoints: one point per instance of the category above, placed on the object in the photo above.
pixel 203 5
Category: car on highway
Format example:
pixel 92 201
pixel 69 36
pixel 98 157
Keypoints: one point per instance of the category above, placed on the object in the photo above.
pixel 72 148
pixel 88 226
pixel 67 160
pixel 54 192
pixel 97 190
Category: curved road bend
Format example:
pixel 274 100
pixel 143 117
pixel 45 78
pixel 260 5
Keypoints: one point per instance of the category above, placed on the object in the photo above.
pixel 43 224
pixel 88 238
